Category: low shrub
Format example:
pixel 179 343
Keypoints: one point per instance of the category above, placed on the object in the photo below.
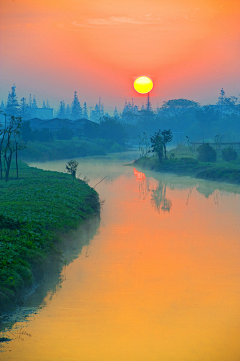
pixel 229 154
pixel 206 153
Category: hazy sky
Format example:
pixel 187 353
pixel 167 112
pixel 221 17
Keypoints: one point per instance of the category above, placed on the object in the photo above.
pixel 190 49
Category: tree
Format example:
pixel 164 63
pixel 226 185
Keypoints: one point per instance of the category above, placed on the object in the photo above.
pixel 9 146
pixel 206 153
pixel 159 142
pixel 71 167
pixel 167 138
pixel 144 145
pixel 12 107
pixel 34 102
pixel 115 114
pixel 19 143
pixel 61 111
pixel 207 114
pixel 68 112
pixel 110 128
pixel 64 134
pixel 43 135
pixel 85 111
pixel 76 110
pixel 226 103
pixel 24 109
pixel 26 131
pixel 180 103
pixel 229 154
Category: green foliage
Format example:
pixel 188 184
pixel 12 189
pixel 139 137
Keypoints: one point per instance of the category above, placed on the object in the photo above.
pixel 32 211
pixel 159 142
pixel 71 167
pixel 229 154
pixel 180 103
pixel 64 134
pixel 111 128
pixel 41 135
pixel 157 145
pixel 206 153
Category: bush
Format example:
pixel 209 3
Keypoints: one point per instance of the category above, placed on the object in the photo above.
pixel 206 153
pixel 64 134
pixel 229 154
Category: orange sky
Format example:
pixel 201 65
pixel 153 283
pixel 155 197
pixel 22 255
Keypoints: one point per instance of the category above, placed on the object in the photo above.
pixel 190 48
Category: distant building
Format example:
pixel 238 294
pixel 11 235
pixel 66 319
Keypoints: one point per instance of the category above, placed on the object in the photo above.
pixel 55 124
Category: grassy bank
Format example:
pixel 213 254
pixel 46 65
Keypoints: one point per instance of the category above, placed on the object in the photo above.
pixel 33 212
pixel 219 171
pixel 63 149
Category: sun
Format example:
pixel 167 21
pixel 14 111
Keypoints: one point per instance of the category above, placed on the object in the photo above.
pixel 143 85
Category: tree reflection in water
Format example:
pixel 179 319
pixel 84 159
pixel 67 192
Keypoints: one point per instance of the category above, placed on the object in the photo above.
pixel 158 195
pixel 159 200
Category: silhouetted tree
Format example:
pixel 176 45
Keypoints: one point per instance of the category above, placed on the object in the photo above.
pixel 34 102
pixel 12 107
pixel 71 167
pixel 11 143
pixel 68 112
pixel 76 110
pixel 110 128
pixel 229 154
pixel 85 111
pixel 61 111
pixel 167 138
pixel 64 134
pixel 26 131
pixel 206 153
pixel 24 109
pixel 159 143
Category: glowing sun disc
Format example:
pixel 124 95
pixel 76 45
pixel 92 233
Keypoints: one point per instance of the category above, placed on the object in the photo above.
pixel 143 85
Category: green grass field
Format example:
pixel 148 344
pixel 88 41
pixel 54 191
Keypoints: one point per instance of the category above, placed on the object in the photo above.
pixel 33 210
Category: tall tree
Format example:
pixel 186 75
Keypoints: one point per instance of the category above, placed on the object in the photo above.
pixel 159 142
pixel 76 110
pixel 34 102
pixel 24 109
pixel 115 114
pixel 85 111
pixel 11 144
pixel 68 112
pixel 12 107
pixel 61 111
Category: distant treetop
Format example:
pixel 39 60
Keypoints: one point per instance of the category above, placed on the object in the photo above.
pixel 180 103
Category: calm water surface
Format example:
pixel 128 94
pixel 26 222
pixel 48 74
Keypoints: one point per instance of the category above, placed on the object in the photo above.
pixel 159 280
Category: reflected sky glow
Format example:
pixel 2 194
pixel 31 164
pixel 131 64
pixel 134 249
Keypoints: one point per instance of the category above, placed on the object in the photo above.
pixel 151 285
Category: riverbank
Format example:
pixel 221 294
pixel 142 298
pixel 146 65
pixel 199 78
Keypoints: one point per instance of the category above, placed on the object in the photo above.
pixel 34 211
pixel 220 171
pixel 63 149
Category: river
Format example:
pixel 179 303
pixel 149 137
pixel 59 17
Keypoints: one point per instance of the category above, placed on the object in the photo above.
pixel 157 280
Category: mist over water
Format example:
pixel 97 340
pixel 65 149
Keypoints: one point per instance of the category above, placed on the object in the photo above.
pixel 158 280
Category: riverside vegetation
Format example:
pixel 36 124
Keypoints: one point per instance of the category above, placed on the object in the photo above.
pixel 108 136
pixel 34 210
pixel 202 163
